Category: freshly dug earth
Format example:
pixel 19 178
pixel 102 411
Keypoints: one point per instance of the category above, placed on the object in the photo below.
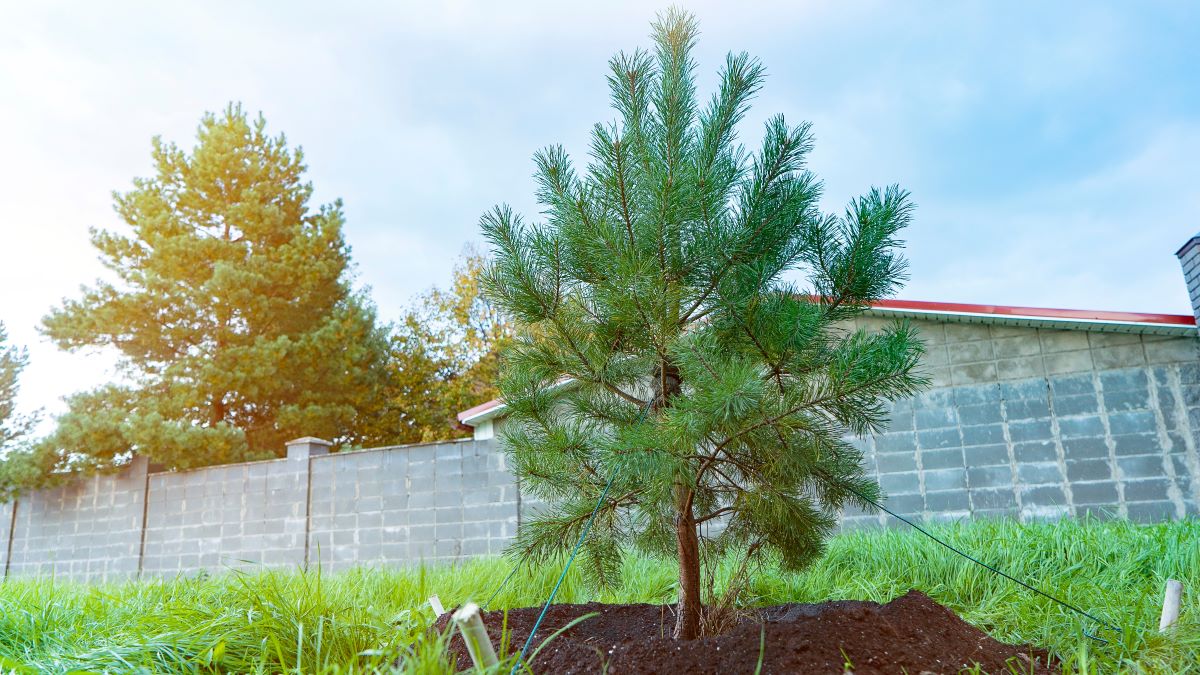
pixel 911 634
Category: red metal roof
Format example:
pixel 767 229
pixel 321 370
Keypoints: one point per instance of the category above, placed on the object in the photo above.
pixel 482 407
pixel 1038 312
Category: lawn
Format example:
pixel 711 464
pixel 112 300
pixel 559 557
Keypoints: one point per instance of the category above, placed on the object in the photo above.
pixel 363 620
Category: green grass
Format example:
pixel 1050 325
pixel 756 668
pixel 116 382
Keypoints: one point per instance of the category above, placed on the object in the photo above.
pixel 363 620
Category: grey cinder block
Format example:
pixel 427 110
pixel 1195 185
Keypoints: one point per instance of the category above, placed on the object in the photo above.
pixel 1068 362
pixel 1125 401
pixel 1148 490
pixel 1145 466
pixel 1021 390
pixel 941 459
pixel 985 413
pixel 1137 444
pixel 1149 512
pixel 976 397
pixel 1103 492
pixel 945 479
pixel 894 463
pixel 985 455
pixel 939 438
pixel 1081 448
pixel 994 499
pixel 1133 422
pixel 1035 451
pixel 1025 409
pixel 1122 380
pixel 1064 386
pixel 900 483
pixel 989 476
pixel 1067 406
pixel 1030 430
pixel 897 442
pixel 983 434
pixel 951 500
pixel 936 418
pixel 1038 473
pixel 973 373
pixel 1088 470
pixel 1043 495
pixel 1081 427
pixel 448 516
pixel 448 549
pixel 907 504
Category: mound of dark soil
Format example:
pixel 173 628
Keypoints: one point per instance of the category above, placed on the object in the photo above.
pixel 911 634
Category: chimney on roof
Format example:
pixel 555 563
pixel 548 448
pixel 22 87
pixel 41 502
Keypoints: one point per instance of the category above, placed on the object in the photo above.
pixel 1189 259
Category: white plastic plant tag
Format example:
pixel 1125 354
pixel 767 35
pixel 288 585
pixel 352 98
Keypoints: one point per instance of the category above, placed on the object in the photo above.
pixel 436 604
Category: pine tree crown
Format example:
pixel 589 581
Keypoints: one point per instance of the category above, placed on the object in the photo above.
pixel 702 382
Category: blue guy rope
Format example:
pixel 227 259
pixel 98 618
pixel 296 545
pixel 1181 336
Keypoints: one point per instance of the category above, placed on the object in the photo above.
pixel 1104 624
pixel 545 608
pixel 503 583
pixel 521 561
pixel 603 494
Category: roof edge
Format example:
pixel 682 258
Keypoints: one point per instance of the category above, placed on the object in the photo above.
pixel 1187 245
pixel 1096 315
pixel 481 412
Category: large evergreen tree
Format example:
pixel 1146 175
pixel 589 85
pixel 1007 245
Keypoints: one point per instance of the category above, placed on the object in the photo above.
pixel 232 310
pixel 660 347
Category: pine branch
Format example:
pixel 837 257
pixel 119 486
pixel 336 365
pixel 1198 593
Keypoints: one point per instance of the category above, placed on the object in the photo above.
pixel 715 514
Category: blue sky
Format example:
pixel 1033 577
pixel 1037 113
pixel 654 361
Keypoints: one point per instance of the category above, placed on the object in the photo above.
pixel 1053 149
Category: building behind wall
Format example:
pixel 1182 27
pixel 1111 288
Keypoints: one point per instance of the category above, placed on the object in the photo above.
pixel 1033 413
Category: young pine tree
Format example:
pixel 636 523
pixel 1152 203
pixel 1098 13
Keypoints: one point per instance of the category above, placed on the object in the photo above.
pixel 231 306
pixel 660 348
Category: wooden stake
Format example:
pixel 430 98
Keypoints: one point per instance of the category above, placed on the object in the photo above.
pixel 1170 612
pixel 474 633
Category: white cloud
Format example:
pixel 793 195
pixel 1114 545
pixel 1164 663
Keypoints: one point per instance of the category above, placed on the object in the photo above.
pixel 422 115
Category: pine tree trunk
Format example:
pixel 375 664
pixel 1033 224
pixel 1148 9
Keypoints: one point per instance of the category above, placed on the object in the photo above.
pixel 217 412
pixel 687 617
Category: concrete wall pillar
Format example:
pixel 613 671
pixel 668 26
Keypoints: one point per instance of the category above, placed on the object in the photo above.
pixel 303 448
pixel 7 522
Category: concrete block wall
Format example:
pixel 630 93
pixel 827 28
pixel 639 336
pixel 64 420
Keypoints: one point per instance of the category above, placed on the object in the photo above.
pixel 399 505
pixel 432 503
pixel 1020 421
pixel 88 529
pixel 1037 423
pixel 231 516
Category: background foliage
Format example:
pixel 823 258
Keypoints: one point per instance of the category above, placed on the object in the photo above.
pixel 445 356
pixel 230 304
